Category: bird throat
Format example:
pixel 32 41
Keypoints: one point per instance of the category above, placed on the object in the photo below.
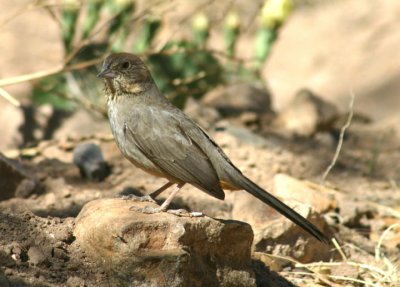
pixel 114 89
pixel 111 93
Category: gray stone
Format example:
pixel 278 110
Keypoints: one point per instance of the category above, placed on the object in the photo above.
pixel 237 98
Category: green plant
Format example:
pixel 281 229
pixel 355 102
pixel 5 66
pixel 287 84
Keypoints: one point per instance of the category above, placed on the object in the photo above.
pixel 182 68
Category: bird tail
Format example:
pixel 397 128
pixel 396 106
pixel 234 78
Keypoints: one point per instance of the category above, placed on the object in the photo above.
pixel 282 208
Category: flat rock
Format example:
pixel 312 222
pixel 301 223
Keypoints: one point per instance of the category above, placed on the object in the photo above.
pixel 163 249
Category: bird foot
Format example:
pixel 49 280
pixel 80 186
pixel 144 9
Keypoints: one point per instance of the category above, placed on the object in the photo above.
pixel 143 198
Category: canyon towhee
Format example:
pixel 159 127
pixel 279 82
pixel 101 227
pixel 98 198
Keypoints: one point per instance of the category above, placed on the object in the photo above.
pixel 159 138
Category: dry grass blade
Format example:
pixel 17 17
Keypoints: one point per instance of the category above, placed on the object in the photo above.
pixel 9 98
pixel 378 246
pixel 339 249
pixel 380 273
pixel 341 137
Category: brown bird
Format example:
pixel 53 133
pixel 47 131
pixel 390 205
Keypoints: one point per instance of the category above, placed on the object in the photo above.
pixel 159 138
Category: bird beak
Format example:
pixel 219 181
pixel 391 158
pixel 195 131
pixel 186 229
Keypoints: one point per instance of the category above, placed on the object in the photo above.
pixel 106 74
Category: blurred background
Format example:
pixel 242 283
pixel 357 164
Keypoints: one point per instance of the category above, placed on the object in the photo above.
pixel 329 47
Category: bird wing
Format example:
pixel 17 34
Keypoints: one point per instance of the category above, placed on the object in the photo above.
pixel 161 137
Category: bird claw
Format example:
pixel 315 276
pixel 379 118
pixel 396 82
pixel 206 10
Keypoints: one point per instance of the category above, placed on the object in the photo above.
pixel 144 198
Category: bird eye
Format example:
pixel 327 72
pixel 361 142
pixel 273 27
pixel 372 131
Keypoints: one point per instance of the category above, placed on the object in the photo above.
pixel 125 65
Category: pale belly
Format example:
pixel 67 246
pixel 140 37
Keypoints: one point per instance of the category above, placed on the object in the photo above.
pixel 129 149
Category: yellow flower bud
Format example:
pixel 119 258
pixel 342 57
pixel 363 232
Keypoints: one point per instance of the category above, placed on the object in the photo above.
pixel 70 5
pixel 232 20
pixel 275 12
pixel 200 22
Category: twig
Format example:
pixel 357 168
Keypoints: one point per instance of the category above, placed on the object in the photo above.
pixel 161 44
pixel 46 73
pixel 9 98
pixel 31 76
pixel 342 131
pixel 378 246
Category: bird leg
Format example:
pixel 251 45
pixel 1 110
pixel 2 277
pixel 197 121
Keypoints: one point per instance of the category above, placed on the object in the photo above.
pixel 156 193
pixel 148 197
pixel 166 203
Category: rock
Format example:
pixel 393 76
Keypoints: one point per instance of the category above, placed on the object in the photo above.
pixel 284 238
pixel 321 198
pixel 234 99
pixel 27 187
pixel 307 114
pixel 89 159
pixel 275 234
pixel 75 282
pixel 15 180
pixel 36 256
pixel 163 249
pixel 5 258
pixel 204 115
pixel 246 136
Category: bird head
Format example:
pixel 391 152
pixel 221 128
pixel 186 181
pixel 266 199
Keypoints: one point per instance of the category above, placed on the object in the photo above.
pixel 124 73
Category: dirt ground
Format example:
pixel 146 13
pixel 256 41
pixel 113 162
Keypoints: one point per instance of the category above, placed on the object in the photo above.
pixel 38 247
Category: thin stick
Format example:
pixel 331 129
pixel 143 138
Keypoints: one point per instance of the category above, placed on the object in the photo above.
pixel 31 76
pixel 378 246
pixel 9 98
pixel 342 131
pixel 46 73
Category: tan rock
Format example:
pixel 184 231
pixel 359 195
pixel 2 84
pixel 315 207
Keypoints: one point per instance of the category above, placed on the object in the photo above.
pixel 163 249
pixel 307 114
pixel 277 235
pixel 284 238
pixel 321 198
